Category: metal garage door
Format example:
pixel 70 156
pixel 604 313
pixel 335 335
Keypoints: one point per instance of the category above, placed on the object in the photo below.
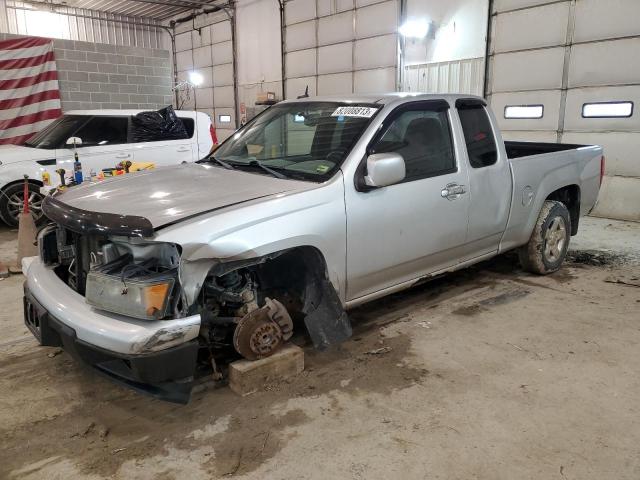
pixel 208 50
pixel 340 46
pixel 580 60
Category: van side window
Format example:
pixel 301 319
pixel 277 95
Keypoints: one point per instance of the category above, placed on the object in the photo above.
pixel 104 131
pixel 478 135
pixel 188 125
pixel 423 138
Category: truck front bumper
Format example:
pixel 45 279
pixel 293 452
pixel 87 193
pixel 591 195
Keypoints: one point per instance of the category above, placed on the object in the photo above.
pixel 157 358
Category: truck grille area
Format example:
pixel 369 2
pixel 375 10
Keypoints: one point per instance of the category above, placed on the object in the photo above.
pixel 130 276
pixel 68 253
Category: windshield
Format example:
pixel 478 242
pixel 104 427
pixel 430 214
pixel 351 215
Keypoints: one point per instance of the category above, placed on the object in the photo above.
pixel 56 133
pixel 309 140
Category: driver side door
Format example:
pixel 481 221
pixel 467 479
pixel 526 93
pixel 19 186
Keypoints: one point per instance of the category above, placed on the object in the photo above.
pixel 399 233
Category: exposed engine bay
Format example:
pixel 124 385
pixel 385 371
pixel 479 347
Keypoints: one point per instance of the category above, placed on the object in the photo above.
pixel 239 310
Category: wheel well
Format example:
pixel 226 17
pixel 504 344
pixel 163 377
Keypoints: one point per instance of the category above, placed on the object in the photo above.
pixel 304 267
pixel 299 279
pixel 35 182
pixel 570 196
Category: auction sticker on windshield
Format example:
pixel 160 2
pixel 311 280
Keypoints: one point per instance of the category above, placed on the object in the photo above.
pixel 362 112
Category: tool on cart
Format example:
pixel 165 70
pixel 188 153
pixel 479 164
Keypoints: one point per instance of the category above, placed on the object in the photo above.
pixel 77 166
pixel 26 230
pixel 126 165
pixel 46 178
pixel 61 172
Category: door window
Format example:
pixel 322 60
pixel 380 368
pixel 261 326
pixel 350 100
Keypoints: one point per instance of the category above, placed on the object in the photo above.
pixel 423 138
pixel 188 125
pixel 478 135
pixel 104 131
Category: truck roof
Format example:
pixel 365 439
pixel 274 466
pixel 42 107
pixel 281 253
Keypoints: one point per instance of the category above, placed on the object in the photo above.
pixel 385 98
pixel 114 112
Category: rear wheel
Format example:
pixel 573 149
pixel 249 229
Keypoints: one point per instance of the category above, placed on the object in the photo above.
pixel 549 242
pixel 11 199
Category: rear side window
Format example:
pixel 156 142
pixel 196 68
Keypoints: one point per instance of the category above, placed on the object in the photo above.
pixel 478 135
pixel 104 131
pixel 423 138
pixel 188 125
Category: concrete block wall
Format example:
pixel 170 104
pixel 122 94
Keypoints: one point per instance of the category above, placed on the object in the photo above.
pixel 99 76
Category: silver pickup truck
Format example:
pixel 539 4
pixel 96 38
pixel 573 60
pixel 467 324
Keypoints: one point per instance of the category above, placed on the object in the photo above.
pixel 314 207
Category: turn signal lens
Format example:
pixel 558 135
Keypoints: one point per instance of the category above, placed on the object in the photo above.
pixel 155 297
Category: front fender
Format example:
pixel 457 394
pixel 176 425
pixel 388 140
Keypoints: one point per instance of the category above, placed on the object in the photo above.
pixel 313 218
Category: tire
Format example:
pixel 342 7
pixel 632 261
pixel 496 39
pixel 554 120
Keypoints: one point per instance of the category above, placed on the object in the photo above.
pixel 11 204
pixel 549 242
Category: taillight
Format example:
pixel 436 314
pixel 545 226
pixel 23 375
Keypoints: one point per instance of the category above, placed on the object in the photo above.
pixel 214 136
pixel 602 164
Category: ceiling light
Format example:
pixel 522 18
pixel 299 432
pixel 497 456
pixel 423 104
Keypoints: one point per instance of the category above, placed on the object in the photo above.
pixel 196 79
pixel 414 28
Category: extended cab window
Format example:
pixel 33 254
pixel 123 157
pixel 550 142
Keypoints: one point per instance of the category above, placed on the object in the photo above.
pixel 423 138
pixel 478 135
pixel 104 131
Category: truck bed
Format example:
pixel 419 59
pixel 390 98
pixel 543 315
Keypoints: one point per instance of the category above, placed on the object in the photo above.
pixel 526 149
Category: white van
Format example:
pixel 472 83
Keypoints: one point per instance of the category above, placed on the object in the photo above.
pixel 105 142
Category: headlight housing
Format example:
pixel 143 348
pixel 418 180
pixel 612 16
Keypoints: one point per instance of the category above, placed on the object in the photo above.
pixel 143 298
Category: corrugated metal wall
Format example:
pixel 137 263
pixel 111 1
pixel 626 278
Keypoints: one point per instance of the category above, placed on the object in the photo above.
pixel 562 55
pixel 456 76
pixel 81 24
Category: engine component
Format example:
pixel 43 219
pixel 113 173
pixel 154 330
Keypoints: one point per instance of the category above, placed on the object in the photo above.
pixel 235 290
pixel 262 332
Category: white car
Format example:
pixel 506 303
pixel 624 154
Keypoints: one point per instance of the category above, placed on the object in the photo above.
pixel 105 136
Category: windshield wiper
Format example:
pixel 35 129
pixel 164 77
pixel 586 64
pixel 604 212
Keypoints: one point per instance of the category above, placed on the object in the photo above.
pixel 222 163
pixel 256 163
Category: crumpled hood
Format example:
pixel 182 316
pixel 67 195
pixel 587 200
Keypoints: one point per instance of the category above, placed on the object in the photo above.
pixel 17 153
pixel 169 194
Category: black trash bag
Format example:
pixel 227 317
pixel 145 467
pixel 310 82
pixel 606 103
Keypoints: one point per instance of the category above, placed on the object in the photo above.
pixel 152 126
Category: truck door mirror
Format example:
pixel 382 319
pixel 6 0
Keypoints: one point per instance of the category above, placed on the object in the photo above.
pixel 74 142
pixel 384 169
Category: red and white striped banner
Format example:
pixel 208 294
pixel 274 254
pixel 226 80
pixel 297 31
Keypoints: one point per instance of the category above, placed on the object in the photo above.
pixel 29 91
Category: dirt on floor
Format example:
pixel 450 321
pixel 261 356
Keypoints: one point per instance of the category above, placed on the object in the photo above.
pixel 487 373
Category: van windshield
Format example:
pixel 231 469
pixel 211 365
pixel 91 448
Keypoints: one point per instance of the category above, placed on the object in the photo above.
pixel 309 140
pixel 56 133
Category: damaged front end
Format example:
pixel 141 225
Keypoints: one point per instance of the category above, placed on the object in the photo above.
pixel 245 308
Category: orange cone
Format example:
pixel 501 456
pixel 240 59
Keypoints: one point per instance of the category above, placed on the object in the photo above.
pixel 27 231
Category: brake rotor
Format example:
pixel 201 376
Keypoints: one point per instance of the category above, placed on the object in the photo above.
pixel 256 335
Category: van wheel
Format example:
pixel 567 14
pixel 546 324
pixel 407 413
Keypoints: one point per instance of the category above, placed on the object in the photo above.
pixel 11 204
pixel 549 242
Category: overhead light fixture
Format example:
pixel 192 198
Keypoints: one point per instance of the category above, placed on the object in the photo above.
pixel 415 28
pixel 196 79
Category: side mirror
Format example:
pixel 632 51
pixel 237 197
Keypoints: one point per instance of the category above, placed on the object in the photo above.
pixel 74 141
pixel 384 169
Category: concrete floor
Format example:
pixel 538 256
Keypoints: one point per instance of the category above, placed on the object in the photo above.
pixel 491 373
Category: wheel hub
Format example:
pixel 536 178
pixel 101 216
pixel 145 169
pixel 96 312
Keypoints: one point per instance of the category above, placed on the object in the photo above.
pixel 262 332
pixel 555 239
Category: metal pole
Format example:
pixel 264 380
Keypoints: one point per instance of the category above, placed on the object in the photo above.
pixel 283 48
pixel 487 52
pixel 174 57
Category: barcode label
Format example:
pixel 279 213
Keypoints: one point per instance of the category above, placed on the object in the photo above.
pixel 362 112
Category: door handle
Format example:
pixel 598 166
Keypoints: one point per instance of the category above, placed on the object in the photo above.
pixel 184 149
pixel 452 191
pixel 123 155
